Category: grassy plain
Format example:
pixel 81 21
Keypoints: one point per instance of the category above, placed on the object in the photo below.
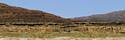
pixel 49 32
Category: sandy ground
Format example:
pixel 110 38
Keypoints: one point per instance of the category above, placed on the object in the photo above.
pixel 64 38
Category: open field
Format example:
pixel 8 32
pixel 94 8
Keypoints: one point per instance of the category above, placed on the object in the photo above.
pixel 56 32
pixel 59 28
pixel 64 38
pixel 61 36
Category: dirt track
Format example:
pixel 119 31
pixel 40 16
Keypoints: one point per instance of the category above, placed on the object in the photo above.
pixel 64 38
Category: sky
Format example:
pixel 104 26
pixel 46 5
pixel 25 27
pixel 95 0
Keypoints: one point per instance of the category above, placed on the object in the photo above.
pixel 70 8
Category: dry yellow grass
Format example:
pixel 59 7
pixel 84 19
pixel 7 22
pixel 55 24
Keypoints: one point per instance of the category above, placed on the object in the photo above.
pixel 43 31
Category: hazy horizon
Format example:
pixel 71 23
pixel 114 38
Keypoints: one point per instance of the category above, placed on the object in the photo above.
pixel 70 8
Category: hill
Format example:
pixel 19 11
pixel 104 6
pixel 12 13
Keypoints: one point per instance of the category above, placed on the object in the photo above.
pixel 12 14
pixel 115 17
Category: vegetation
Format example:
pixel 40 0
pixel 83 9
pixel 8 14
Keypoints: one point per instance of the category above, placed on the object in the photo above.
pixel 62 34
pixel 10 14
pixel 112 17
pixel 49 31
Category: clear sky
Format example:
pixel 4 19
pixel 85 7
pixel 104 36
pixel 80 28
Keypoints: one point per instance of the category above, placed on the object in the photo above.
pixel 70 8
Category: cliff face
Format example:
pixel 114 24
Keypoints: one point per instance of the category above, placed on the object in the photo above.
pixel 18 14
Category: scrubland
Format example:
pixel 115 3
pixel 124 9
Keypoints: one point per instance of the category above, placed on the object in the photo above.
pixel 52 32
pixel 48 31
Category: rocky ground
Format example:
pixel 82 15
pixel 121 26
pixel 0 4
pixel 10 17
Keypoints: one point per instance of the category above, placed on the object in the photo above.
pixel 64 38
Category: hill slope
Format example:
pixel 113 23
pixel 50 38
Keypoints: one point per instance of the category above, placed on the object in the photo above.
pixel 117 16
pixel 18 14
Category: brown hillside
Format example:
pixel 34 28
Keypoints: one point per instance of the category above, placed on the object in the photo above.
pixel 112 17
pixel 17 14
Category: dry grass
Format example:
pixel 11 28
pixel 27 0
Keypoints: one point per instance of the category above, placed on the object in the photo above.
pixel 57 34
pixel 55 31
pixel 63 38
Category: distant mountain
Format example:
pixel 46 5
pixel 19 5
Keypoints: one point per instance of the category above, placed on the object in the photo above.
pixel 117 16
pixel 17 14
